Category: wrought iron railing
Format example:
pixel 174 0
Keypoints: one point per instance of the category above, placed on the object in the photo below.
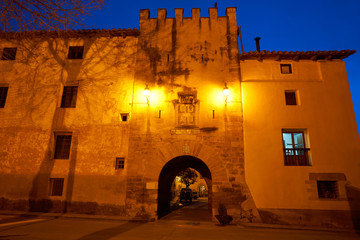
pixel 296 156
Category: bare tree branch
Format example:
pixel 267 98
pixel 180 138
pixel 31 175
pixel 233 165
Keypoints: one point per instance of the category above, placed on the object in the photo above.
pixel 30 15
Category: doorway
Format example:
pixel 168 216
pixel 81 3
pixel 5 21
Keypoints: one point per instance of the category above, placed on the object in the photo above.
pixel 168 176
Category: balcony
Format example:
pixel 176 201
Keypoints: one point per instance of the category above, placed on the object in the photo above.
pixel 296 156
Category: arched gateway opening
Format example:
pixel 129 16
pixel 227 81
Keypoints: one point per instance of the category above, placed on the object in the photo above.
pixel 168 174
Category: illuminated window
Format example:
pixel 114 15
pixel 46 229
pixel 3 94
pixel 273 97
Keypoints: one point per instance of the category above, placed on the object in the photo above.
pixel 62 146
pixel 285 68
pixel 328 189
pixel 290 98
pixel 3 95
pixel 295 151
pixel 8 54
pixel 69 97
pixel 120 163
pixel 76 52
pixel 56 186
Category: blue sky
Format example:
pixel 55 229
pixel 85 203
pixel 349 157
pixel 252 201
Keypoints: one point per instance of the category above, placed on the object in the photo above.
pixel 295 25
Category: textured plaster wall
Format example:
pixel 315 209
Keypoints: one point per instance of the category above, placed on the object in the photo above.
pixel 325 110
pixel 32 115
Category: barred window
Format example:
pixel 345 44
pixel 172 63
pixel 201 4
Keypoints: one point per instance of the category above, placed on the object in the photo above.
pixel 120 163
pixel 3 95
pixel 8 54
pixel 56 186
pixel 76 52
pixel 69 97
pixel 328 189
pixel 62 147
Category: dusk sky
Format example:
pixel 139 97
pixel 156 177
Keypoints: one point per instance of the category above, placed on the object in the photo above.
pixel 297 25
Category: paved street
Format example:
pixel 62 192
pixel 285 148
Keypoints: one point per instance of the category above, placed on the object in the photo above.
pixel 186 223
pixel 197 211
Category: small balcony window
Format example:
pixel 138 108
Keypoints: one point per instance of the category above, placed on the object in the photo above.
pixel 295 151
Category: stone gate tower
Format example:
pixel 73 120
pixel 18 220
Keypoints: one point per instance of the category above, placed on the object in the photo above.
pixel 186 62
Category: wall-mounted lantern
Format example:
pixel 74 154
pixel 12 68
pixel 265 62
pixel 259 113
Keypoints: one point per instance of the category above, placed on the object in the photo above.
pixel 147 94
pixel 226 92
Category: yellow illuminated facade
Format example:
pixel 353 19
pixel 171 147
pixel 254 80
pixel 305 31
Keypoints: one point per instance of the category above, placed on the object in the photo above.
pixel 102 121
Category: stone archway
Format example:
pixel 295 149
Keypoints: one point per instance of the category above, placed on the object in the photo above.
pixel 168 174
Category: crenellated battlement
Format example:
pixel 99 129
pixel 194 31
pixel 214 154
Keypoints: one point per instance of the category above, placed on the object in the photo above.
pixel 179 13
pixel 206 40
pixel 212 23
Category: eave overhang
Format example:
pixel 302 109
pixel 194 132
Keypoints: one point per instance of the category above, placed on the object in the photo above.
pixel 72 33
pixel 297 55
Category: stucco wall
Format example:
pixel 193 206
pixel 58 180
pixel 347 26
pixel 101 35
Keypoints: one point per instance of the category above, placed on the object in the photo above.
pixel 326 114
pixel 32 115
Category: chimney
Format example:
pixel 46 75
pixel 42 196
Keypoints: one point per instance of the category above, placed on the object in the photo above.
pixel 257 39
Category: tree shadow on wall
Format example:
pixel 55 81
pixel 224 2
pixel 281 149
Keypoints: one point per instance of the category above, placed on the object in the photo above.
pixel 111 232
pixel 353 194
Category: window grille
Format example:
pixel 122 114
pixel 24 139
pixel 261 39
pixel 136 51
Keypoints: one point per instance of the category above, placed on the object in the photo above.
pixel 328 189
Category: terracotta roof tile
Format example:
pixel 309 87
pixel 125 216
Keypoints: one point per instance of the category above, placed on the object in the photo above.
pixel 297 55
pixel 73 33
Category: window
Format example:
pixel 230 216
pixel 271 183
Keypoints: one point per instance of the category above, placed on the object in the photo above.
pixel 295 151
pixel 290 98
pixel 62 147
pixel 328 189
pixel 69 97
pixel 8 54
pixel 120 163
pixel 56 186
pixel 3 94
pixel 76 52
pixel 285 68
pixel 124 117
